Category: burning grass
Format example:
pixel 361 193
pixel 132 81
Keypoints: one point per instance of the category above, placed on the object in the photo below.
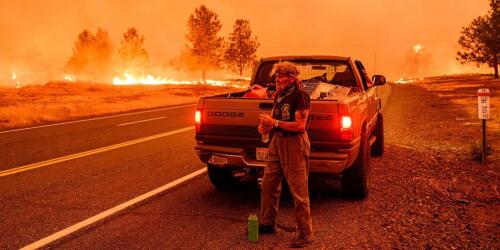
pixel 59 101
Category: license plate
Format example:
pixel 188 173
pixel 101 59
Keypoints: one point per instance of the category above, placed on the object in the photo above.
pixel 261 154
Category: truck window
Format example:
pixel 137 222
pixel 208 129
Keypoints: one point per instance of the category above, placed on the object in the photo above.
pixel 332 72
pixel 361 70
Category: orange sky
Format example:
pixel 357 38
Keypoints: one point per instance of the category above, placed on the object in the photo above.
pixel 39 35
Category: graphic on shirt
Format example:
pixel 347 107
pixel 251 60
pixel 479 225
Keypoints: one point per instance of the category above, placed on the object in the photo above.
pixel 285 112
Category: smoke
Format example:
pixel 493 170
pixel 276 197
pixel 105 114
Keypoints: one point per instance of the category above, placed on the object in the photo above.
pixel 38 36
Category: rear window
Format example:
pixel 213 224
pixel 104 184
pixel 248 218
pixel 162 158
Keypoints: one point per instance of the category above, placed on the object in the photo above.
pixel 333 72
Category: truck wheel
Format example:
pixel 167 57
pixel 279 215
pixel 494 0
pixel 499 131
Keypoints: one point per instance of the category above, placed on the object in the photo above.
pixel 355 179
pixel 378 146
pixel 221 178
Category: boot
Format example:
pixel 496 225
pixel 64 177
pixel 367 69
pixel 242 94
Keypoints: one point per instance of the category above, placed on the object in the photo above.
pixel 302 241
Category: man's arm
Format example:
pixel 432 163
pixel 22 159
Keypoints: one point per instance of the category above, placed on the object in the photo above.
pixel 299 125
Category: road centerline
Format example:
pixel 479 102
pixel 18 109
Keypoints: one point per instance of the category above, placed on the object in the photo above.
pixel 90 152
pixel 96 118
pixel 60 234
pixel 147 120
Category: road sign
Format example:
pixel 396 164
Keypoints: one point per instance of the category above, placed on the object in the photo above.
pixel 483 103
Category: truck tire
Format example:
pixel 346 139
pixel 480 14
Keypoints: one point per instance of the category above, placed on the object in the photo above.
pixel 355 179
pixel 377 149
pixel 221 178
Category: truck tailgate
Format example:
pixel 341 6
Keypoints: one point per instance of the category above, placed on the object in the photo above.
pixel 235 120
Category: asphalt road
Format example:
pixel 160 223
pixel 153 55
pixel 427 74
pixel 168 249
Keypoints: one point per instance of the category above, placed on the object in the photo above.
pixel 39 202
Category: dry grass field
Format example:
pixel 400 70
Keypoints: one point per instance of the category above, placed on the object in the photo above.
pixel 461 90
pixel 59 101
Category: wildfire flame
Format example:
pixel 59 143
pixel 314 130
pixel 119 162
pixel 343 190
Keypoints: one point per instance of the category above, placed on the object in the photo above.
pixel 14 78
pixel 69 78
pixel 404 81
pixel 417 48
pixel 129 79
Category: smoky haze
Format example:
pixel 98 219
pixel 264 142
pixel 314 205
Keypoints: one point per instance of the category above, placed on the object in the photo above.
pixel 38 36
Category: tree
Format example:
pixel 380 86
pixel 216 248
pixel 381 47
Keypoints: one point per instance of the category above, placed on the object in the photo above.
pixel 205 48
pixel 92 56
pixel 78 62
pixel 481 39
pixel 132 56
pixel 241 47
pixel 103 54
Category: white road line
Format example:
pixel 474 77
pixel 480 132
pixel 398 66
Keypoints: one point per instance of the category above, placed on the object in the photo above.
pixel 58 235
pixel 90 152
pixel 147 120
pixel 97 118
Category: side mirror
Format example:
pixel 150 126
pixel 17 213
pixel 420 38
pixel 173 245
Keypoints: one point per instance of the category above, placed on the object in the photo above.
pixel 378 80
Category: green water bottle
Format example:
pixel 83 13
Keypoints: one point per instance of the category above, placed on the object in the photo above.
pixel 253 228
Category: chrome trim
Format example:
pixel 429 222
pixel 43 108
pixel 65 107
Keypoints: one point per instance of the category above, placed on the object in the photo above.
pixel 319 162
pixel 316 165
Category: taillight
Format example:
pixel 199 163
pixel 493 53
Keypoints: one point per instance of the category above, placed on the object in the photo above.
pixel 346 131
pixel 197 120
pixel 346 122
pixel 197 116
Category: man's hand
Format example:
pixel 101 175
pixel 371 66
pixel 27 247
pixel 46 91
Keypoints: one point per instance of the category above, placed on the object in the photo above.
pixel 266 120
pixel 263 129
pixel 299 125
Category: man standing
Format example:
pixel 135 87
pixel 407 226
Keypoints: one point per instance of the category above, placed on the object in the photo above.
pixel 288 154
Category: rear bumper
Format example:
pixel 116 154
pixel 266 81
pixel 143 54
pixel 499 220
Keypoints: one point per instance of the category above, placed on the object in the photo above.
pixel 319 162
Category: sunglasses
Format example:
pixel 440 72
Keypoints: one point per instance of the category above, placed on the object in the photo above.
pixel 283 74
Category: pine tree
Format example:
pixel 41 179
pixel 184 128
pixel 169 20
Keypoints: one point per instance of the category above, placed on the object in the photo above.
pixel 132 56
pixel 481 39
pixel 204 51
pixel 241 47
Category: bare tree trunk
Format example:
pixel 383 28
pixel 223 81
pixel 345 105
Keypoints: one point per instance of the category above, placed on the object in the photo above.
pixel 241 72
pixel 203 73
pixel 495 65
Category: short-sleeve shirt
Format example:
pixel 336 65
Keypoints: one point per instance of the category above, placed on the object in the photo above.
pixel 285 110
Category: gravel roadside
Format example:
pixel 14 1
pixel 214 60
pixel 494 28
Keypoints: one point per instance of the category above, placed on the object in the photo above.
pixel 427 192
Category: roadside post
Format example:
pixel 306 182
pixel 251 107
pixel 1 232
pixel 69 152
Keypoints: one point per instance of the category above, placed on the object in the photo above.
pixel 483 111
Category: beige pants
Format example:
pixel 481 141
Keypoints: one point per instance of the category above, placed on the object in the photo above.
pixel 288 157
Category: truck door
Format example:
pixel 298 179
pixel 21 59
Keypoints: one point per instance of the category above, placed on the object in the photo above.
pixel 371 94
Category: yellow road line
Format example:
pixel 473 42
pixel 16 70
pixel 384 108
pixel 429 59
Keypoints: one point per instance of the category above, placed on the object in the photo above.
pixel 90 152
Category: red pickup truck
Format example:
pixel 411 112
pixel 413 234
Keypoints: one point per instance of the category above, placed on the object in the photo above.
pixel 346 124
